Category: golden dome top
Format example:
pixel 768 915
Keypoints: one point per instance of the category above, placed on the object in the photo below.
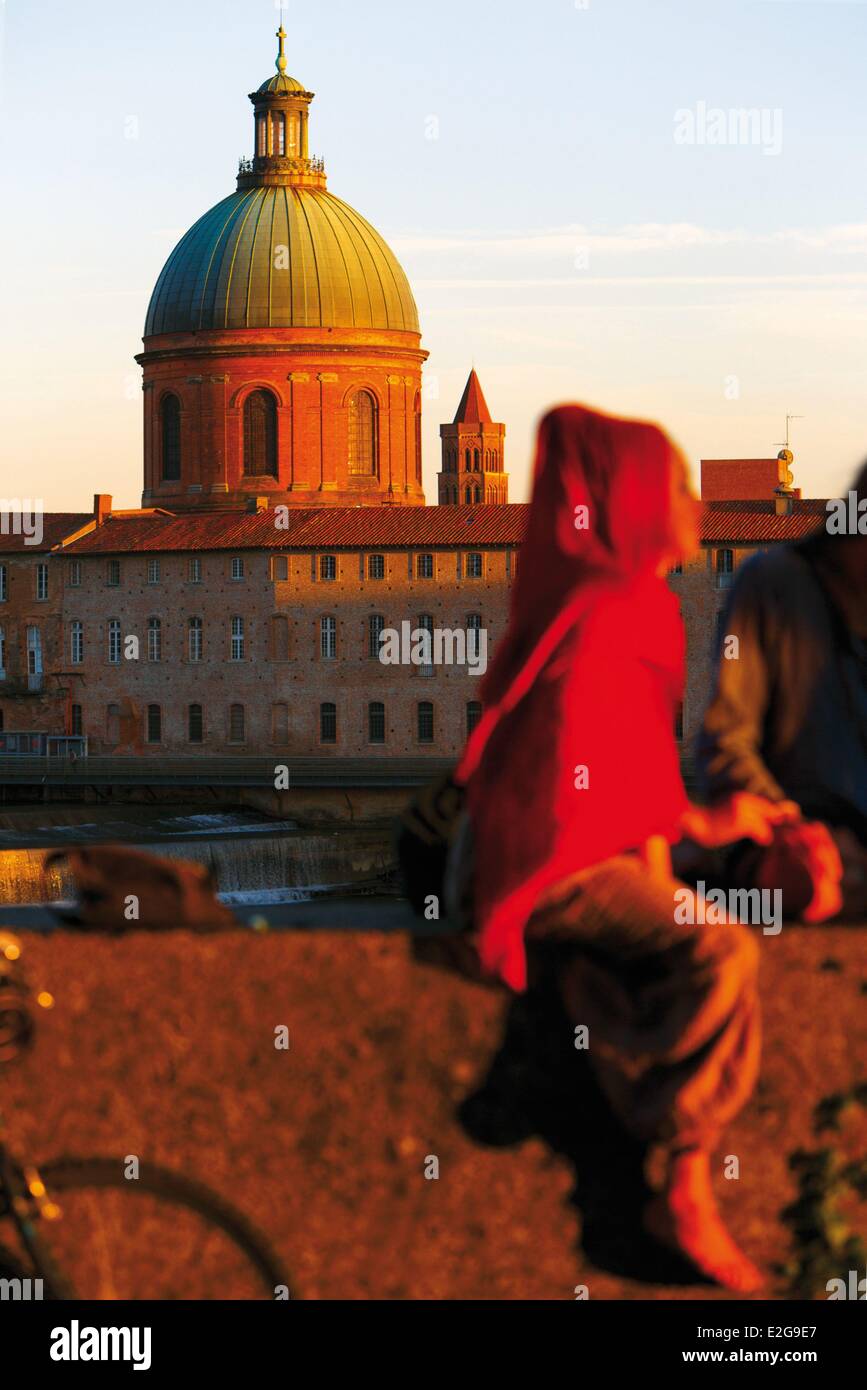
pixel 281 257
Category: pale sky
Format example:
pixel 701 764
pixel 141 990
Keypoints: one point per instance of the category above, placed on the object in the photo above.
pixel 582 226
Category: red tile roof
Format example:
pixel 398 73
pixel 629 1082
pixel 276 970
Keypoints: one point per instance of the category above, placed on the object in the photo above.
pixel 473 407
pixel 404 528
pixel 56 526
pixel 757 523
pixel 311 528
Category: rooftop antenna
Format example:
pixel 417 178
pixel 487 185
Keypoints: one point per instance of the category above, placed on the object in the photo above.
pixel 785 445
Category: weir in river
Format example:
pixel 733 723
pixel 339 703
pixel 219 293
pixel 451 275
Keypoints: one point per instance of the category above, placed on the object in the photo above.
pixel 248 862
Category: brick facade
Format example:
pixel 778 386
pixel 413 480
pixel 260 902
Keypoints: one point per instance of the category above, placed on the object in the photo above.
pixel 282 678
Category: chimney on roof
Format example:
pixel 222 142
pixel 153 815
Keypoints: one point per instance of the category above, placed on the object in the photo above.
pixel 101 507
pixel 784 493
pixel 257 504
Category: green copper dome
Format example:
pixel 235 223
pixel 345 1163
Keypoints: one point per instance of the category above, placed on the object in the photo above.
pixel 281 257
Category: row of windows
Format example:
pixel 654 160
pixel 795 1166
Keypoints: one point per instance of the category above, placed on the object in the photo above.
pixel 473 461
pixel 325 568
pixel 195 644
pixel 237 722
pixel 261 435
pixel 473 496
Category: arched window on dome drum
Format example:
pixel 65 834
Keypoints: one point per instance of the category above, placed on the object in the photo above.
pixel 260 434
pixel 292 141
pixel 262 135
pixel 171 438
pixel 363 460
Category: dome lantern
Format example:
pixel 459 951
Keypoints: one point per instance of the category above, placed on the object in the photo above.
pixel 280 149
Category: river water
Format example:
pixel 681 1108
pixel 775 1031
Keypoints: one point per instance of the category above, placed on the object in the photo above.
pixel 252 858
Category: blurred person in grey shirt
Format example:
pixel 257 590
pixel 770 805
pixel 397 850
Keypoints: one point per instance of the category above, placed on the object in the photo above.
pixel 788 714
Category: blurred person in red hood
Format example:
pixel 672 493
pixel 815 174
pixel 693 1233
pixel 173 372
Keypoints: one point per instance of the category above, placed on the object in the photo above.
pixel 574 795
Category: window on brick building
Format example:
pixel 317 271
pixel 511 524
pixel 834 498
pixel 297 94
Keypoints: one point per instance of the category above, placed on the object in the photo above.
pixel 725 568
pixel 153 571
pixel 477 496
pixel 474 628
pixel 474 714
pixel 154 724
pixel 237 645
pixel 114 641
pixel 4 583
pixel 376 567
pixel 112 573
pixel 328 567
pixel 376 722
pixel 2 654
pixel 475 565
pixel 236 568
pixel 195 639
pixel 260 434
pixel 375 625
pixel 194 571
pixel 280 722
pixel 195 724
pixel 170 420
pixel 280 568
pixel 424 567
pixel 363 441
pixel 76 645
pixel 237 724
pixel 328 723
pixel 468 495
pixel 677 569
pixel 328 638
pixel 34 649
pixel 112 725
pixel 425 722
pixel 75 574
pixel 678 721
pixel 426 624
pixel 279 637
pixel 41 582
pixel 76 721
pixel 155 639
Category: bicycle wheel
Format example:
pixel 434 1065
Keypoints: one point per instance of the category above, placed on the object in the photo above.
pixel 160 1236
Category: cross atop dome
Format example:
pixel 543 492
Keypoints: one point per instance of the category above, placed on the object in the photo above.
pixel 282 62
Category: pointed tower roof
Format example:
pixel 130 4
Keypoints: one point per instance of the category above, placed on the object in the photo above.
pixel 473 408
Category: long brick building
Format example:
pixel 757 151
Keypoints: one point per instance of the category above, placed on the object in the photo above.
pixel 283 525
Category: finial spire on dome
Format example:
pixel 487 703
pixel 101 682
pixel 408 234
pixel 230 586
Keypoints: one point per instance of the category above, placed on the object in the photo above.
pixel 282 62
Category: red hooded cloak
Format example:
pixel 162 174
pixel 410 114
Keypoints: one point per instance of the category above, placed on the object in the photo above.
pixel 575 759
